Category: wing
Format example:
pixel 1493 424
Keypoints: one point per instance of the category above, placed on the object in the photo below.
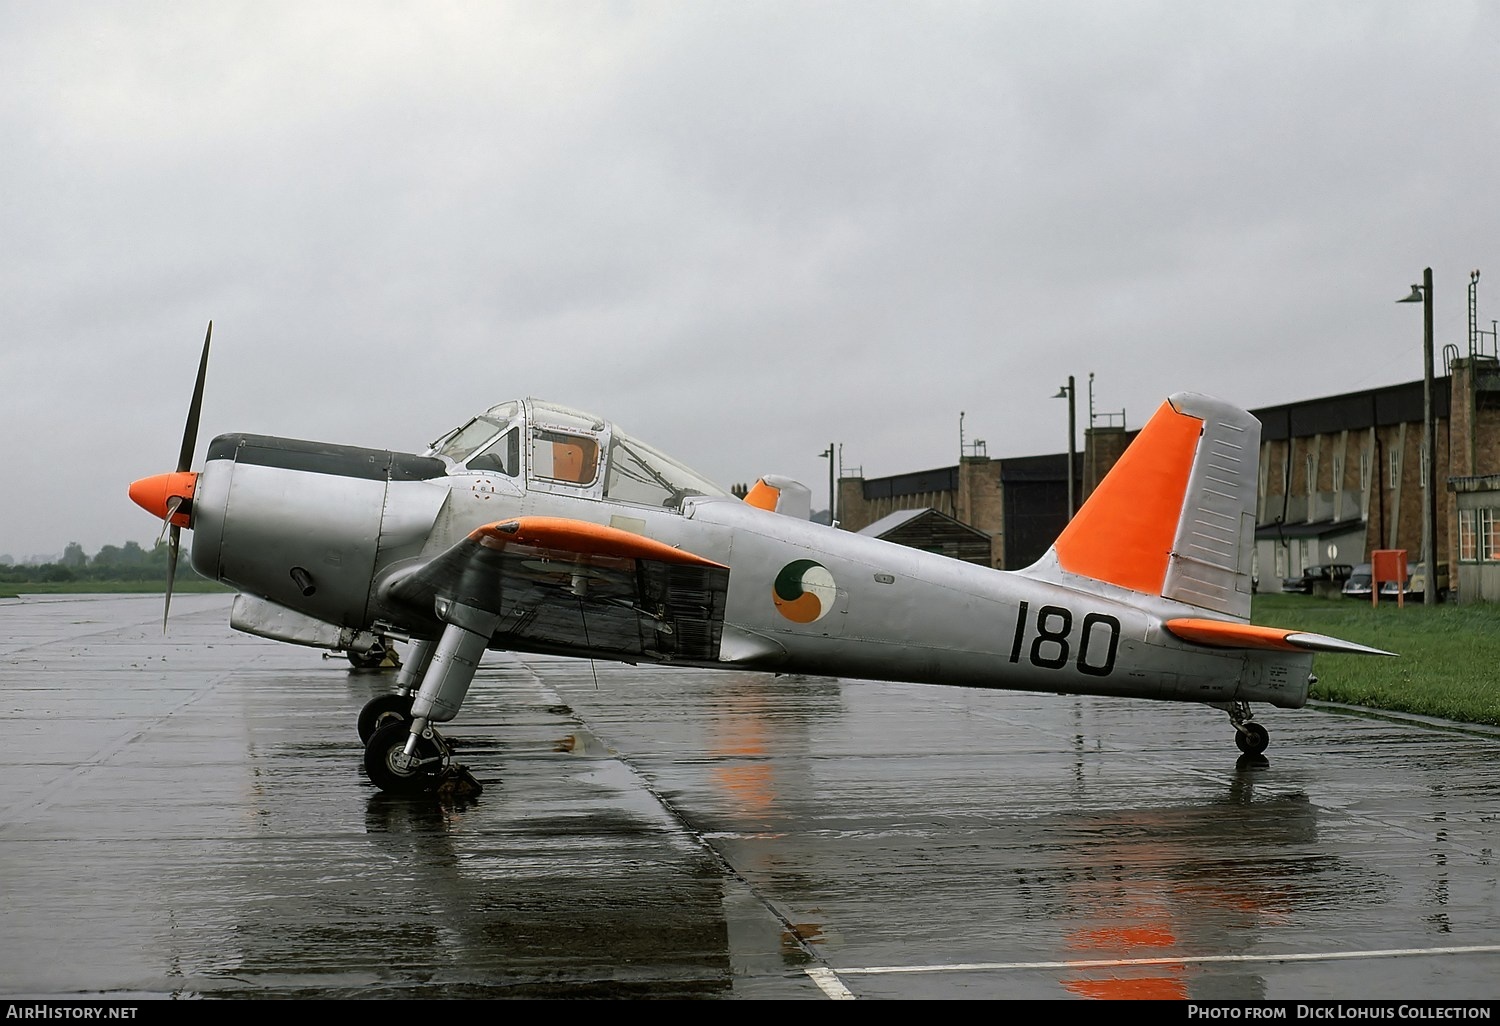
pixel 577 588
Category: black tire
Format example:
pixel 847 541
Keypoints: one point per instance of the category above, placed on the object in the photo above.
pixel 387 743
pixel 1252 738
pixel 380 711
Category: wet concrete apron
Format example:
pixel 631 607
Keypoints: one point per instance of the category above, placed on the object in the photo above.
pixel 188 817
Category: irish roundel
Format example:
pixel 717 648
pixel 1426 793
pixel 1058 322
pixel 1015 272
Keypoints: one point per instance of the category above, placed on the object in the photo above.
pixel 804 591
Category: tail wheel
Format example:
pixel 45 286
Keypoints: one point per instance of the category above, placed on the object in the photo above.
pixel 383 710
pixel 1251 737
pixel 383 762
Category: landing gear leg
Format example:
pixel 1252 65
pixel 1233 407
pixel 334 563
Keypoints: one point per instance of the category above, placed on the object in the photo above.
pixel 1251 737
pixel 422 759
pixel 410 677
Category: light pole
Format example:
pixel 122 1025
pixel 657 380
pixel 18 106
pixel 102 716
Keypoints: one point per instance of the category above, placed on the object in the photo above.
pixel 828 452
pixel 1423 293
pixel 1091 479
pixel 1070 393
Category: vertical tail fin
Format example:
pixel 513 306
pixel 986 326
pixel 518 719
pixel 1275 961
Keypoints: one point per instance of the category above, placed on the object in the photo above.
pixel 1175 517
pixel 778 494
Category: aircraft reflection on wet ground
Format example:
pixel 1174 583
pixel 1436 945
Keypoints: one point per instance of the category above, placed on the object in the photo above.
pixel 184 820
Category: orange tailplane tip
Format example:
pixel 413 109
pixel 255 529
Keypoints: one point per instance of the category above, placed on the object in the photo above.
pixel 1224 634
pixel 154 494
pixel 1221 634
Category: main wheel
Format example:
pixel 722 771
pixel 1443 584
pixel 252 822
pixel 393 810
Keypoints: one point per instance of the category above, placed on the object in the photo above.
pixel 1252 738
pixel 381 753
pixel 381 710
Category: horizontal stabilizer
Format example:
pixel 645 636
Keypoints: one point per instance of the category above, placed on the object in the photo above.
pixel 1226 634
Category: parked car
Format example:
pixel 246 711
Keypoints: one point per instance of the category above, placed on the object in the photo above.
pixel 1416 583
pixel 1359 583
pixel 1323 574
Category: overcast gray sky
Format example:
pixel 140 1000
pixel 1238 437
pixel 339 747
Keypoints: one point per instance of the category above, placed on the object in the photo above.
pixel 740 230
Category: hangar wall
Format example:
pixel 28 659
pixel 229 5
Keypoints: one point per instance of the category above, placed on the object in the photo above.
pixel 1340 476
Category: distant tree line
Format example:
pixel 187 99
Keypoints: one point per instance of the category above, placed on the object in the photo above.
pixel 128 562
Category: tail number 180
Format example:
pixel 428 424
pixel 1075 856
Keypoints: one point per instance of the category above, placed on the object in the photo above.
pixel 1052 640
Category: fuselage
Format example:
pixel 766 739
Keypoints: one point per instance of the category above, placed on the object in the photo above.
pixel 321 529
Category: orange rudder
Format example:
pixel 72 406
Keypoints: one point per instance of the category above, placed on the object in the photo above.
pixel 1124 533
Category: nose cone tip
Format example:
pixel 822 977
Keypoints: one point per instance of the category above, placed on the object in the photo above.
pixel 153 494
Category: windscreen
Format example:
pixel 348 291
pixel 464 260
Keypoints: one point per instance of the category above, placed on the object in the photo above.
pixel 462 442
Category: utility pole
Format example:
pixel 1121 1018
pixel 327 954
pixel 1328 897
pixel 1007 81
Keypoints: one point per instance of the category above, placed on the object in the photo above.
pixel 1071 392
pixel 1429 444
pixel 828 452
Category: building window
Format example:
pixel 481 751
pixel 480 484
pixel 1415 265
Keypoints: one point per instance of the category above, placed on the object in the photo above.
pixel 1479 535
pixel 1395 474
pixel 1308 474
pixel 1364 472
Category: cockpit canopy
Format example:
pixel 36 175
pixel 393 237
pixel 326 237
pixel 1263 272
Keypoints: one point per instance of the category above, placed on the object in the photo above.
pixel 558 449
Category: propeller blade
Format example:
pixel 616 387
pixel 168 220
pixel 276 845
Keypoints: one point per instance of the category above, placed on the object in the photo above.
pixel 184 463
pixel 190 433
pixel 171 573
pixel 173 505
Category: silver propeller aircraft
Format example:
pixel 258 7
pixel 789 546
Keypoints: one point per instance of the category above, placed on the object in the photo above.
pixel 538 528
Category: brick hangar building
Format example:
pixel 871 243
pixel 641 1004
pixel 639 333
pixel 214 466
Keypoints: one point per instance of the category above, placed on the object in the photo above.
pixel 1340 476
